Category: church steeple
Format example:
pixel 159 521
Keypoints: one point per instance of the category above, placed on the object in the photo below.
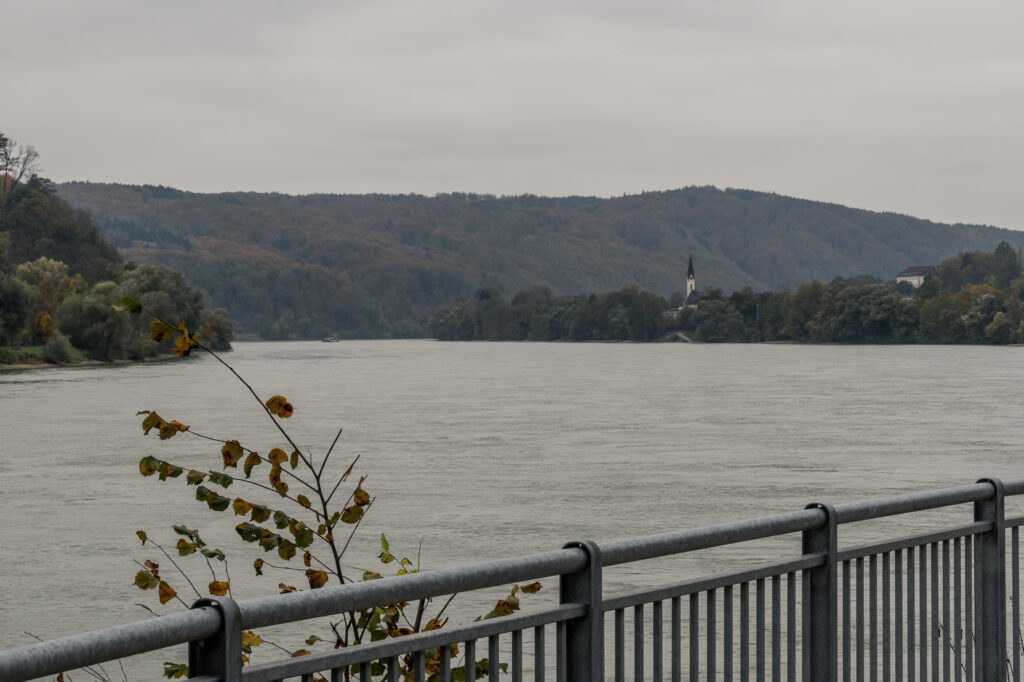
pixel 691 280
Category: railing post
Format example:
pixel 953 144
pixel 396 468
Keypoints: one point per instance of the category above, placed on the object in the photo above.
pixel 584 637
pixel 219 655
pixel 820 631
pixel 990 588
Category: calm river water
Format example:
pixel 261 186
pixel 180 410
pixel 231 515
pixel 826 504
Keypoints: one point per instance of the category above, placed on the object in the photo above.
pixel 483 450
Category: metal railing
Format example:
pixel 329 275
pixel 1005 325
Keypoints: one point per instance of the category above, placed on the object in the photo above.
pixel 933 606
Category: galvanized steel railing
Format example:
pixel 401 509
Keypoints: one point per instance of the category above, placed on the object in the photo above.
pixel 934 606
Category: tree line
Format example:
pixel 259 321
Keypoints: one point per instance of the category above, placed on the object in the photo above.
pixel 975 297
pixel 59 280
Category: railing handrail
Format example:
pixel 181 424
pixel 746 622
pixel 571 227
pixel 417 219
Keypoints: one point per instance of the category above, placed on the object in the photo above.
pixel 72 652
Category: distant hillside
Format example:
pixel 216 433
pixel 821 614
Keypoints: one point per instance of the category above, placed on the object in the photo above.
pixel 378 265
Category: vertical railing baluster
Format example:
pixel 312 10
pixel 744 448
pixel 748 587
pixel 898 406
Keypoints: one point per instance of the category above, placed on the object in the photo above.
pixel 712 637
pixel 958 628
pixel 911 617
pixel 656 641
pixel 677 639
pixel 539 664
pixel 727 628
pixel 860 619
pixel 969 608
pixel 936 640
pixel 469 662
pixel 561 658
pixel 694 639
pixel 791 626
pixel 620 645
pixel 444 672
pixel 947 640
pixel 745 632
pixel 1015 568
pixel 759 634
pixel 392 669
pixel 493 659
pixel 776 628
pixel 873 617
pixel 847 621
pixel 897 599
pixel 886 617
pixel 638 642
pixel 517 657
pixel 922 560
pixel 364 672
pixel 419 666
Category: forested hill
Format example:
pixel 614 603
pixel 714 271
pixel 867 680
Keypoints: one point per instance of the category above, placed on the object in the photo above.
pixel 379 265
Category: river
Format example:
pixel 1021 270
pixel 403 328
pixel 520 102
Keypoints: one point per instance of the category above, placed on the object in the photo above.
pixel 482 450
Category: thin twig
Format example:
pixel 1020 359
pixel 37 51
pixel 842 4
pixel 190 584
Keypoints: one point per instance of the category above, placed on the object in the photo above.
pixel 328 455
pixel 342 552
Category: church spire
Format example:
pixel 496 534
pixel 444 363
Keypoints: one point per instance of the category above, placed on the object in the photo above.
pixel 691 280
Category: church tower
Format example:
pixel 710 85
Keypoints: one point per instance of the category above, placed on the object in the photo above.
pixel 691 281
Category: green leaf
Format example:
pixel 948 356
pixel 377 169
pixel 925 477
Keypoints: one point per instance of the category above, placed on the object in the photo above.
pixel 159 330
pixel 142 536
pixel 260 513
pixel 352 514
pixel 129 304
pixel 195 477
pixel 370 575
pixel 145 580
pixel 304 501
pixel 384 543
pixel 386 557
pixel 303 535
pixel 213 554
pixel 218 502
pixel 182 530
pixel 202 492
pixel 294 459
pixel 168 470
pixel 281 520
pixel 249 532
pixel 175 670
pixel 286 549
pixel 185 547
pixel 269 541
pixel 223 480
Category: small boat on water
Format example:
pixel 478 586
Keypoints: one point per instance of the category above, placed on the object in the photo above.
pixel 330 339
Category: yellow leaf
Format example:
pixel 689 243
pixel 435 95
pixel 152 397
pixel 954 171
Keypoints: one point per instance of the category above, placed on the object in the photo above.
pixel 250 638
pixel 241 507
pixel 279 405
pixel 277 457
pixel 360 496
pixel 218 588
pixel 166 592
pixel 532 588
pixel 184 344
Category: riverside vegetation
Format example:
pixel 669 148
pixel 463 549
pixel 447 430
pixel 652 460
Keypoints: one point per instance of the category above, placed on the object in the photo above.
pixel 976 297
pixel 301 512
pixel 59 280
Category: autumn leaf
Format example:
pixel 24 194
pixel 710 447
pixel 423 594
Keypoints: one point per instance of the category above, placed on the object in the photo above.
pixel 277 457
pixel 170 429
pixel 151 421
pixel 316 578
pixel 360 496
pixel 195 477
pixel 279 405
pixel 251 460
pixel 149 465
pixel 258 565
pixel 142 536
pixel 301 652
pixel 231 452
pixel 145 580
pixel 183 345
pixel 293 461
pixel 241 507
pixel 304 501
pixel 532 588
pixel 352 514
pixel 250 638
pixel 307 559
pixel 218 588
pixel 166 592
pixel 159 330
pixel 285 589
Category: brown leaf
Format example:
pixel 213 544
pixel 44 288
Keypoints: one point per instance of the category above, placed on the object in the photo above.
pixel 301 652
pixel 307 558
pixel 166 592
pixel 241 507
pixel 258 565
pixel 317 579
pixel 277 457
pixel 532 588
pixel 279 405
pixel 231 452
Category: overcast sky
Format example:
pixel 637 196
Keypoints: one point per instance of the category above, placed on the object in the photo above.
pixel 913 107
